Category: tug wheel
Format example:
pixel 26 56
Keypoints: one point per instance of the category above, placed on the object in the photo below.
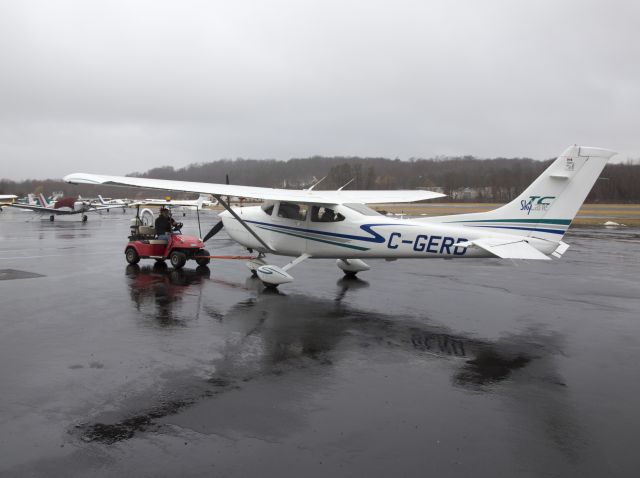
pixel 205 260
pixel 131 255
pixel 178 259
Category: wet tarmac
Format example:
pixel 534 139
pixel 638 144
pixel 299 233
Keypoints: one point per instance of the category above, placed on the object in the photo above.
pixel 420 368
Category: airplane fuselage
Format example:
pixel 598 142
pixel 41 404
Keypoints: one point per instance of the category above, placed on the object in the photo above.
pixel 357 235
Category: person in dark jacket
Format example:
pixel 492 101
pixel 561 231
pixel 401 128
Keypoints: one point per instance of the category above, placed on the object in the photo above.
pixel 164 224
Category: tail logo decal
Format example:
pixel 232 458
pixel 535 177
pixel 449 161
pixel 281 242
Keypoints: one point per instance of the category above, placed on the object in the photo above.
pixel 536 203
pixel 570 166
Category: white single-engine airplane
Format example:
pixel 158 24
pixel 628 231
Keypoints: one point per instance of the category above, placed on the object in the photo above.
pixel 338 224
pixel 114 203
pixel 204 200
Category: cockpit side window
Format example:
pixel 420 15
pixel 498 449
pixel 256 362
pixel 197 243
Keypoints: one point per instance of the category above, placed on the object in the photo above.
pixel 296 212
pixel 325 214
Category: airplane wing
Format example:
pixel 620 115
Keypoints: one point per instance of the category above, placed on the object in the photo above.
pixel 509 249
pixel 102 208
pixel 43 209
pixel 296 195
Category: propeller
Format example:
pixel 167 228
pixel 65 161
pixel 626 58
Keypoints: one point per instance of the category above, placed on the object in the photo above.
pixel 214 230
pixel 217 227
pixel 227 182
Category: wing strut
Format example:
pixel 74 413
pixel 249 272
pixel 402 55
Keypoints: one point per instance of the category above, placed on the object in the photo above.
pixel 244 224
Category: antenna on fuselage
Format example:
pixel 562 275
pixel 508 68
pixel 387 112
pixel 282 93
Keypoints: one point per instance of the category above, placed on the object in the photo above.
pixel 316 183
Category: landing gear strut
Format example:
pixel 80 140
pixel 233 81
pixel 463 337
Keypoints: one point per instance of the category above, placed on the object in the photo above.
pixel 254 264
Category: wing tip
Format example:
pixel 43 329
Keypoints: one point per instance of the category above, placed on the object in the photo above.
pixel 83 178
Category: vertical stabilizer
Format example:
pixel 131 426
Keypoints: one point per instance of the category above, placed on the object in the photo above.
pixel 43 201
pixel 546 208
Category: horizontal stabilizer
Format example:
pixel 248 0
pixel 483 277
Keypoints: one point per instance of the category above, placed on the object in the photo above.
pixel 507 250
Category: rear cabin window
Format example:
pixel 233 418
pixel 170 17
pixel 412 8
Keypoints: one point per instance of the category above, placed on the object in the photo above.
pixel 325 214
pixel 296 212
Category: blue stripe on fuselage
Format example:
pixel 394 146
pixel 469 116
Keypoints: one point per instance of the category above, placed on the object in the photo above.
pixel 377 238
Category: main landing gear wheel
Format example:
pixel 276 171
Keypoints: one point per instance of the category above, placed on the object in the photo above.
pixel 178 259
pixel 131 255
pixel 84 218
pixel 204 260
pixel 351 267
pixel 51 218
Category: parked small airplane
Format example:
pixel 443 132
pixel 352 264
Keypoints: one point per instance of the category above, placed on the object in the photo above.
pixel 114 203
pixel 338 224
pixel 60 207
pixel 7 199
pixel 183 205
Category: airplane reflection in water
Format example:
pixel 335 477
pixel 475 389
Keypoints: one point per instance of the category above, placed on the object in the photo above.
pixel 268 334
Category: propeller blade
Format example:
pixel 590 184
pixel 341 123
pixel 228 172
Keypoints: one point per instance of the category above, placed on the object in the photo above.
pixel 214 230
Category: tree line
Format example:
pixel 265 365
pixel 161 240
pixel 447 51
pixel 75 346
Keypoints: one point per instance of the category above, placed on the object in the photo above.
pixel 489 180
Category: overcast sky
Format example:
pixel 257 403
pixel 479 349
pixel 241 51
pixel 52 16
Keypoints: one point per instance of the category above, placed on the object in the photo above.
pixel 122 86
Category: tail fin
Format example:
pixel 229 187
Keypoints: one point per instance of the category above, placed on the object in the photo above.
pixel 43 200
pixel 546 208
pixel 101 200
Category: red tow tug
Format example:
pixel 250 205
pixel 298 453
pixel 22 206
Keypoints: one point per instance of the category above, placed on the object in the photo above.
pixel 144 244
